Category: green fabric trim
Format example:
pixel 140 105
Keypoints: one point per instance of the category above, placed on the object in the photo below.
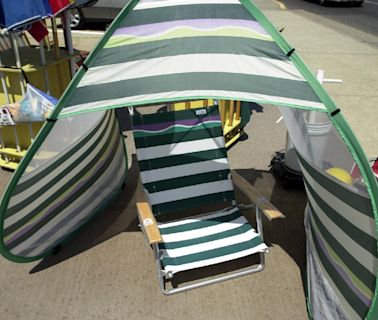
pixel 200 224
pixel 199 11
pixel 170 161
pixel 216 236
pixel 175 47
pixel 365 240
pixel 354 301
pixel 193 202
pixel 215 253
pixel 186 181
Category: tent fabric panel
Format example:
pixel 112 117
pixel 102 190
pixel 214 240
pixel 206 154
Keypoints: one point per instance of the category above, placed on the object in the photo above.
pixel 347 254
pixel 325 301
pixel 169 72
pixel 191 10
pixel 48 214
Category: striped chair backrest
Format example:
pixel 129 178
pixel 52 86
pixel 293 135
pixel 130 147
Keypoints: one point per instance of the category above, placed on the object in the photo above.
pixel 182 159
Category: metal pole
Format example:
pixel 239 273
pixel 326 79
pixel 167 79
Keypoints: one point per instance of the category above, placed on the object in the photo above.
pixel 43 63
pixel 68 38
pixel 4 85
pixel 18 60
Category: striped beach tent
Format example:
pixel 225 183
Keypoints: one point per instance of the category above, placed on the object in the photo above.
pixel 166 51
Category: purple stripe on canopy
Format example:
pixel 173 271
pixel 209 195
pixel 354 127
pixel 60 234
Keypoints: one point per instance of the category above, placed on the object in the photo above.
pixel 340 270
pixel 165 125
pixel 203 24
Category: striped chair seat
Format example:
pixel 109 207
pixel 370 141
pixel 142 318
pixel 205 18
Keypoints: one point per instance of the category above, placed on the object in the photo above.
pixel 207 240
pixel 183 165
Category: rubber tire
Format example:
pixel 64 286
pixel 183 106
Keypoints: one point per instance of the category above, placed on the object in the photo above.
pixel 322 2
pixel 76 19
pixel 357 3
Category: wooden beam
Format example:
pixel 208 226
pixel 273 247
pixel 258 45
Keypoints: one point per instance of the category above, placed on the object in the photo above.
pixel 231 114
pixel 146 217
pixel 270 211
pixel 238 109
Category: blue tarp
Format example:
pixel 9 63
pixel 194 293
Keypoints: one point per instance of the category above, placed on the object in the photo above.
pixel 16 13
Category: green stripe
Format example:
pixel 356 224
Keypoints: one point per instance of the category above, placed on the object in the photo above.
pixel 45 188
pixel 210 254
pixel 194 81
pixel 46 171
pixel 68 185
pixel 198 45
pixel 193 202
pixel 201 224
pixel 176 129
pixel 365 240
pixel 170 161
pixel 158 118
pixel 353 199
pixel 353 300
pixel 353 265
pixel 189 135
pixel 196 11
pixel 186 181
pixel 68 201
pixel 216 236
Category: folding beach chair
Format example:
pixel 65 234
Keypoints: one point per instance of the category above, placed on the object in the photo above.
pixel 183 165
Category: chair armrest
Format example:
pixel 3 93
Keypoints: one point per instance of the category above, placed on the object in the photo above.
pixel 270 211
pixel 146 218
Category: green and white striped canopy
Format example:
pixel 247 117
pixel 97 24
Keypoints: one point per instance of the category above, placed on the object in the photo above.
pixel 178 50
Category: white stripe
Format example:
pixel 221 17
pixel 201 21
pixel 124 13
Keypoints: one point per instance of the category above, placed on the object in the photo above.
pixel 178 148
pixel 168 3
pixel 191 94
pixel 210 245
pixel 30 191
pixel 188 63
pixel 356 218
pixel 190 192
pixel 57 186
pixel 174 269
pixel 104 186
pixel 197 218
pixel 358 252
pixel 193 234
pixel 184 170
